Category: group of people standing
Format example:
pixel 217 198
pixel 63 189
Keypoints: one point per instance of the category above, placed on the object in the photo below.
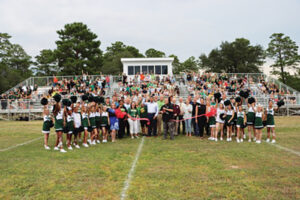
pixel 153 109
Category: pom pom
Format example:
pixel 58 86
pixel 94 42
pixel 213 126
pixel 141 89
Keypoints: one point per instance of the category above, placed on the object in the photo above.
pixel 246 94
pixel 65 102
pixel 73 99
pixel 222 116
pixel 57 98
pixel 101 100
pixel 51 124
pixel 91 98
pixel 280 103
pixel 238 99
pixel 84 97
pixel 251 100
pixel 265 123
pixel 44 101
pixel 227 102
pixel 217 96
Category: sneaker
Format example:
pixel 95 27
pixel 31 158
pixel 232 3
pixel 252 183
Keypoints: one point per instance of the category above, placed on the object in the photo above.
pixel 77 146
pixel 47 147
pixel 216 139
pixel 89 141
pixel 268 140
pixel 104 141
pixel 249 140
pixel 85 145
pixel 230 139
pixel 244 136
pixel 227 140
pixel 241 140
pixel 254 139
pixel 258 142
pixel 59 144
pixel 221 139
pixel 273 141
pixel 70 148
pixel 237 140
pixel 56 148
pixel 132 137
pixel 63 151
pixel 98 141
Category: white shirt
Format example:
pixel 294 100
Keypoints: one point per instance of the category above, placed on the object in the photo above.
pixel 77 119
pixel 187 110
pixel 152 107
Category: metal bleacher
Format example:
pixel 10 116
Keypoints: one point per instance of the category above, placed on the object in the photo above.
pixel 31 109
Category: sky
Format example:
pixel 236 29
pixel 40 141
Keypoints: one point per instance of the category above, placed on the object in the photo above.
pixel 181 27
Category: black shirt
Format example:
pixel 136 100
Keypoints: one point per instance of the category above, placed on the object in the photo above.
pixel 166 116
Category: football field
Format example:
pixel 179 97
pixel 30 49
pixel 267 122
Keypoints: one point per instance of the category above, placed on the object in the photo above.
pixel 150 168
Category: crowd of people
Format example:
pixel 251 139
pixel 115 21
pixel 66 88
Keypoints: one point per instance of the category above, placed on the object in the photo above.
pixel 217 105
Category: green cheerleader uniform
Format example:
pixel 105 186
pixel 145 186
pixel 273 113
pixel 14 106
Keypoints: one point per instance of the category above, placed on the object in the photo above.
pixel 258 124
pixel 270 118
pixel 59 125
pixel 229 114
pixel 92 120
pixel 70 124
pixel 240 119
pixel 104 119
pixel 250 116
pixel 97 119
pixel 84 121
pixel 46 124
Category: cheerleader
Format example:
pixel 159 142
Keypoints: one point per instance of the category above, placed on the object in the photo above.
pixel 250 120
pixel 92 123
pixel 97 121
pixel 220 121
pixel 241 121
pixel 46 126
pixel 270 122
pixel 258 123
pixel 85 124
pixel 58 114
pixel 104 122
pixel 229 121
pixel 211 120
pixel 70 126
pixel 77 125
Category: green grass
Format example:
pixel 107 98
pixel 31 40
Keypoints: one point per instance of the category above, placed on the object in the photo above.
pixel 186 168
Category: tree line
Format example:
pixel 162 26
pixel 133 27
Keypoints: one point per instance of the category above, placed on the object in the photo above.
pixel 78 49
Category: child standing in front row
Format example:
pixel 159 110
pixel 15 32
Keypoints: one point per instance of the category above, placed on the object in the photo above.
pixel 46 126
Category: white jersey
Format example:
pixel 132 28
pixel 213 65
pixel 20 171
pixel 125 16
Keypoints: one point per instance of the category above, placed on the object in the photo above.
pixel 270 111
pixel 84 115
pixel 70 118
pixel 60 114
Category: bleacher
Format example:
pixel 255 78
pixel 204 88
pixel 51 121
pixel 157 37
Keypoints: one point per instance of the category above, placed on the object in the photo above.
pixel 31 109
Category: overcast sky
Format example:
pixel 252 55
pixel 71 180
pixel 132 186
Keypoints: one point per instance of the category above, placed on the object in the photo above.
pixel 181 27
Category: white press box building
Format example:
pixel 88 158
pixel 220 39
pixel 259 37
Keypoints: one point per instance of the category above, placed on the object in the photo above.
pixel 158 66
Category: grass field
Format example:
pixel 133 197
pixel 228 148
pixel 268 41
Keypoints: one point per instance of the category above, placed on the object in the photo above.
pixel 186 168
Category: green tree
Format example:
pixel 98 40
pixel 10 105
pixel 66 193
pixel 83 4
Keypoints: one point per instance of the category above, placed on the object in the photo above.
pixel 234 57
pixel 77 50
pixel 284 51
pixel 112 57
pixel 46 63
pixel 14 63
pixel 152 53
pixel 190 64
pixel 177 66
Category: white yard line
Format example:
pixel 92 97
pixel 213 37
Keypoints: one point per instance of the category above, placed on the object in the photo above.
pixel 129 176
pixel 15 146
pixel 284 148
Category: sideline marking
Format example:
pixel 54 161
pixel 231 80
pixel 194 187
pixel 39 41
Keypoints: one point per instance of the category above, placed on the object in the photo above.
pixel 129 176
pixel 284 148
pixel 15 146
